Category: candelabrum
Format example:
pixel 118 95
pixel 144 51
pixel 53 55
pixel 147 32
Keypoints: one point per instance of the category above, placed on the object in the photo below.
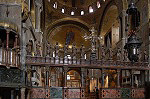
pixel 93 38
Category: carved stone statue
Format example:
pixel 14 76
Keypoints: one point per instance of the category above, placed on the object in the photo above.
pixel 140 56
pixel 125 55
pixel 74 51
pixel 110 53
pixel 49 50
pixel 29 47
pixel 65 50
pixel 38 49
pixel 145 56
pixel 82 51
pixel 56 49
pixel 118 54
pixel 102 53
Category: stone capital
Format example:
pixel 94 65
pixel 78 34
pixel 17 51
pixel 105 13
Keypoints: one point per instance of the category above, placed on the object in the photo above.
pixel 38 3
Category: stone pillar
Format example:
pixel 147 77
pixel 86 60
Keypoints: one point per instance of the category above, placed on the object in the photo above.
pixel 103 77
pixel 118 78
pixel 65 70
pixel 15 46
pixel 47 76
pixel 12 94
pixel 23 93
pixel 143 78
pixel 28 95
pixel 83 77
pixel 123 30
pixel 38 4
pixel 17 93
pixel 146 75
pixel 87 88
pixel 7 38
pixel 29 72
pixel 7 46
pixel 16 40
pixel 132 78
pixel 23 53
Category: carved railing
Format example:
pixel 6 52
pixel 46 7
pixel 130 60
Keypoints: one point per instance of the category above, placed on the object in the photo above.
pixel 35 60
pixel 77 57
pixel 10 76
pixel 9 58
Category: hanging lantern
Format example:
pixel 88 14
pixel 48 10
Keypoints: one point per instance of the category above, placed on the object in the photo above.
pixel 132 46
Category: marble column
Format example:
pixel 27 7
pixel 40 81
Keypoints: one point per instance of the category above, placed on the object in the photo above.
pixel 7 46
pixel 123 30
pixel 23 53
pixel 83 77
pixel 132 78
pixel 15 46
pixel 29 74
pixel 23 93
pixel 118 78
pixel 65 70
pixel 143 78
pixel 47 75
pixel 28 95
pixel 38 10
pixel 103 77
pixel 12 94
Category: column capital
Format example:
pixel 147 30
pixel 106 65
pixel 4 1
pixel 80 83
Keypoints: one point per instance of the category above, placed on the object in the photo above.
pixel 132 71
pixel 16 36
pixel 8 30
pixel 38 3
pixel 65 69
pixel 23 89
pixel 47 68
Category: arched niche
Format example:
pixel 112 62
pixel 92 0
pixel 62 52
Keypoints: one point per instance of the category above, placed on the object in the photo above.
pixel 73 79
pixel 73 32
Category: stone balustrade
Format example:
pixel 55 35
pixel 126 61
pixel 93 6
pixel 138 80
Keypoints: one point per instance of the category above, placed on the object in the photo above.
pixel 11 60
pixel 57 61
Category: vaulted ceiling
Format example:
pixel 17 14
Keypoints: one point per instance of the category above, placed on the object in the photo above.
pixel 58 33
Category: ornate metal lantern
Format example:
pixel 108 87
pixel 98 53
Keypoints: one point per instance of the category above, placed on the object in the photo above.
pixel 132 47
pixel 133 42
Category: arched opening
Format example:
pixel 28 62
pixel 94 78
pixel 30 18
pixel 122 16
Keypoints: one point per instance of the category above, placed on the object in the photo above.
pixel 110 28
pixel 68 31
pixel 110 80
pixel 73 79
